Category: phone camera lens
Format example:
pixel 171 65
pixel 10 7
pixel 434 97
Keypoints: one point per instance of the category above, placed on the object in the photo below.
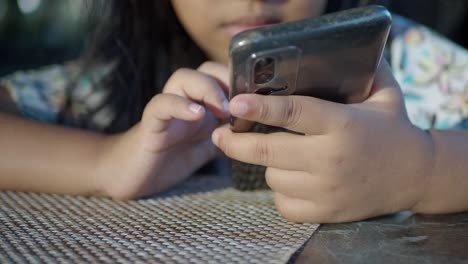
pixel 264 70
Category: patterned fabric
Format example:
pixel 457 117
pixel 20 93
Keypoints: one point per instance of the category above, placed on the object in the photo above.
pixel 433 74
pixel 42 94
pixel 432 71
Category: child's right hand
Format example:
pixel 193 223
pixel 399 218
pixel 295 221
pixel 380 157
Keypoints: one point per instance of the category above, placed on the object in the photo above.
pixel 173 138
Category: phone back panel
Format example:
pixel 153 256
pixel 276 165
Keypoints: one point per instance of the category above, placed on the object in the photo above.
pixel 332 57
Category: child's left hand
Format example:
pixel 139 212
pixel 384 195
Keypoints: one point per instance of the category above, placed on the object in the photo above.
pixel 354 161
pixel 171 141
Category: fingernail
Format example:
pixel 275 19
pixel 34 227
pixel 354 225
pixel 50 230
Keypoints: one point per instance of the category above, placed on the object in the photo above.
pixel 195 108
pixel 239 108
pixel 215 138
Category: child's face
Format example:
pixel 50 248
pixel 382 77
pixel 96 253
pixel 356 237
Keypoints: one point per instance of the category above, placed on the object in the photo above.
pixel 212 23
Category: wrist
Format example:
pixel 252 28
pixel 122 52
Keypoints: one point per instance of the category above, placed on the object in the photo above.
pixel 414 159
pixel 447 190
pixel 110 165
pixel 428 180
pixel 104 167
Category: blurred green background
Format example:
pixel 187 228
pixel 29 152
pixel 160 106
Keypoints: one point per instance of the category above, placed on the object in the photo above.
pixel 34 33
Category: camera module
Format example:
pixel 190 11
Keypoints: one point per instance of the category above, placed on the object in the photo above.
pixel 264 70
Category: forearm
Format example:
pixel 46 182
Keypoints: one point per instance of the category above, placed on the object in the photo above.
pixel 46 158
pixel 447 191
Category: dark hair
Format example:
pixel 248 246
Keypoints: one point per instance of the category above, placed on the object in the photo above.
pixel 336 5
pixel 147 43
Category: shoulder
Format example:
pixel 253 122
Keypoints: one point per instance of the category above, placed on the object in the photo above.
pixel 50 93
pixel 433 73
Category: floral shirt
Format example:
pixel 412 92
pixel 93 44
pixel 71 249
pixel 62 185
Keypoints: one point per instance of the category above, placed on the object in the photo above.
pixel 432 72
pixel 42 94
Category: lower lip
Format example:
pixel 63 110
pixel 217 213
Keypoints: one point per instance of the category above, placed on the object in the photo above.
pixel 236 29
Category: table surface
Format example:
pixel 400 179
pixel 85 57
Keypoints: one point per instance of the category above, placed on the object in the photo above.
pixel 401 238
pixel 200 221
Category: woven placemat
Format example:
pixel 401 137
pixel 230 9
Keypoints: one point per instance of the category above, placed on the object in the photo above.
pixel 183 226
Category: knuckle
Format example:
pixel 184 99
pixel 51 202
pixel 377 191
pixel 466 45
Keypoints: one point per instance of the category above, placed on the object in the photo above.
pixel 293 112
pixel 152 105
pixel 206 65
pixel 337 161
pixel 272 179
pixel 339 158
pixel 262 152
pixel 269 177
pixel 331 187
pixel 264 112
pixel 348 122
pixel 181 72
pixel 154 101
pixel 193 83
pixel 172 100
pixel 291 211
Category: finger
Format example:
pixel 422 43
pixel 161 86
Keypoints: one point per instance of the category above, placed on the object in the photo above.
pixel 297 184
pixel 219 72
pixel 303 211
pixel 318 155
pixel 199 155
pixel 301 114
pixel 204 128
pixel 164 107
pixel 200 88
pixel 279 150
pixel 297 210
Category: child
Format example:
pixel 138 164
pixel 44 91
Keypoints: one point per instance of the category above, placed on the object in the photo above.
pixel 147 116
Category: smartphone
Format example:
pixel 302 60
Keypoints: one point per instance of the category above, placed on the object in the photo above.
pixel 333 57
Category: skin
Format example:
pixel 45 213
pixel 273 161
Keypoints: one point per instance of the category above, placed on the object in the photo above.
pixel 209 21
pixel 351 161
pixel 175 129
pixel 147 158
